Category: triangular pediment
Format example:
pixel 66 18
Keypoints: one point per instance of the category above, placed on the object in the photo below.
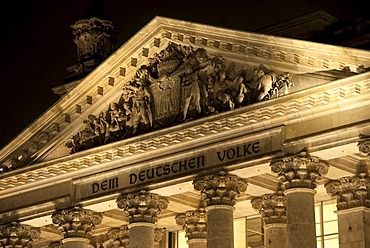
pixel 180 64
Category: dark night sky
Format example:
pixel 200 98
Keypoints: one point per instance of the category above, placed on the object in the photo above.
pixel 37 42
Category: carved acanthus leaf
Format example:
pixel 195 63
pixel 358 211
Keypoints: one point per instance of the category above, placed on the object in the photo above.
pixel 299 171
pixel 142 206
pixel 350 191
pixel 220 189
pixel 76 222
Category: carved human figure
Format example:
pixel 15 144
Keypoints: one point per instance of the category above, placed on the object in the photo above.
pixel 190 84
pixel 142 100
pixel 265 81
pixel 117 117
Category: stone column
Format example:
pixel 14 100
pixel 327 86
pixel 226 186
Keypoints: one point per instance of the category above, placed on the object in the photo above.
pixel 194 224
pixel 117 237
pixel 353 205
pixel 142 210
pixel 299 175
pixel 76 226
pixel 18 235
pixel 219 193
pixel 272 209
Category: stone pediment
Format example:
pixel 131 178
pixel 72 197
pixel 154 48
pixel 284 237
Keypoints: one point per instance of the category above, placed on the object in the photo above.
pixel 170 73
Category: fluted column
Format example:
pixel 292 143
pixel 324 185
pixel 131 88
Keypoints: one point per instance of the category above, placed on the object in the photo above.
pixel 299 175
pixel 76 226
pixel 18 235
pixel 142 210
pixel 353 205
pixel 219 193
pixel 194 224
pixel 117 237
pixel 272 210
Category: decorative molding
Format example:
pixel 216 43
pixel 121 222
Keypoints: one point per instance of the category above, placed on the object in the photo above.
pixel 158 235
pixel 76 222
pixel 117 237
pixel 18 235
pixel 364 144
pixel 194 223
pixel 299 171
pixel 272 207
pixel 220 189
pixel 243 43
pixel 177 84
pixel 142 206
pixel 245 119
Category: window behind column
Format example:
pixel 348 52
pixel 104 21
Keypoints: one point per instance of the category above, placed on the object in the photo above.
pixel 326 224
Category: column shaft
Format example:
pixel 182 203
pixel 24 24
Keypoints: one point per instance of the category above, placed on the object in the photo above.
pixel 300 212
pixel 75 242
pixel 354 227
pixel 141 235
pixel 275 235
pixel 220 226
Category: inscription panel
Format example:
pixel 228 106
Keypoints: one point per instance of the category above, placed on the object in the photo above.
pixel 181 164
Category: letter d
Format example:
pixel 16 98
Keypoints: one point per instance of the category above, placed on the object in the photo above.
pixel 133 178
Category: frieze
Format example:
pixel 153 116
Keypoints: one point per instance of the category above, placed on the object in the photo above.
pixel 178 84
pixel 179 165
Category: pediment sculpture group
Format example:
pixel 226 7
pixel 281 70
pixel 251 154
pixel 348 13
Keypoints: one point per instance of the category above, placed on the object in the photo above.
pixel 178 84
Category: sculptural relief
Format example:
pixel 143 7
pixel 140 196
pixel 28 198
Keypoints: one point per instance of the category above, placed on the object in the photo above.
pixel 178 84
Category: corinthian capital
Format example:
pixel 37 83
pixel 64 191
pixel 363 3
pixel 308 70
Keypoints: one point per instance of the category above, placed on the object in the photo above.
pixel 350 191
pixel 299 171
pixel 18 235
pixel 142 206
pixel 364 144
pixel 271 207
pixel 76 222
pixel 118 237
pixel 220 189
pixel 194 223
